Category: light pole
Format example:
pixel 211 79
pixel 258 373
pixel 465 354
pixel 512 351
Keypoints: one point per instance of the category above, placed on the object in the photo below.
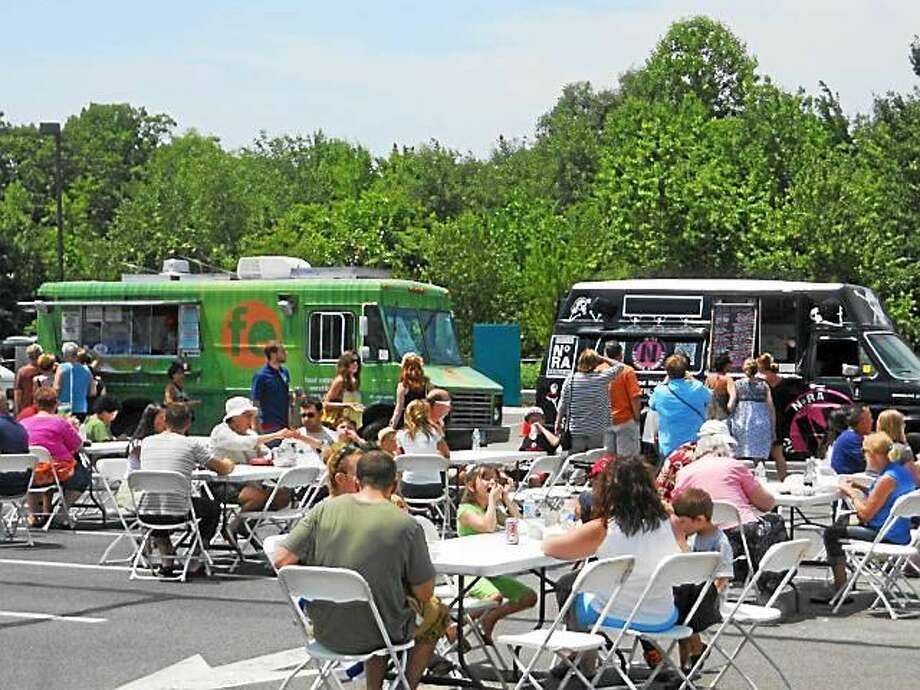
pixel 54 129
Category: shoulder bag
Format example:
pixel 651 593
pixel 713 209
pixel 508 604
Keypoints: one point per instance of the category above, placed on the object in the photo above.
pixel 565 438
pixel 696 411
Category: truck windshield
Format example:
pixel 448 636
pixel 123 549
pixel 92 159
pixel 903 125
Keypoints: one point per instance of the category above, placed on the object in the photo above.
pixel 423 331
pixel 897 357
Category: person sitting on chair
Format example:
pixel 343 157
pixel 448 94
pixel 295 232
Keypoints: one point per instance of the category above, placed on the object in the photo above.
pixel 366 533
pixel 894 480
pixel 173 451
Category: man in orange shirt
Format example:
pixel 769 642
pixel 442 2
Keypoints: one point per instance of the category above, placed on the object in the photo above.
pixel 622 437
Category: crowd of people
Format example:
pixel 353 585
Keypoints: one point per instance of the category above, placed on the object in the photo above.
pixel 649 506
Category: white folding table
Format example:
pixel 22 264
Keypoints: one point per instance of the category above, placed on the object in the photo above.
pixel 241 474
pixel 105 449
pixel 488 456
pixel 822 496
pixel 489 555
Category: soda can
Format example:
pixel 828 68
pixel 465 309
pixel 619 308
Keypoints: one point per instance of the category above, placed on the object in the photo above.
pixel 511 531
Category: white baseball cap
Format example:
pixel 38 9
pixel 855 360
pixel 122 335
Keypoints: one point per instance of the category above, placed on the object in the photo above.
pixel 238 405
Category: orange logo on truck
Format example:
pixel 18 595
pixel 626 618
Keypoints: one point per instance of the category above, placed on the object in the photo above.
pixel 247 327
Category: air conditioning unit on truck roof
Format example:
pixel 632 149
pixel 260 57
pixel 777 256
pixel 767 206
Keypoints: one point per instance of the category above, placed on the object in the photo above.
pixel 270 267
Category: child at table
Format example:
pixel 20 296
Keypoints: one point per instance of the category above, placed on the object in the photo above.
pixel 483 498
pixel 693 515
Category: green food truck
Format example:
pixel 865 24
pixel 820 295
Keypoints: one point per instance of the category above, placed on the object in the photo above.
pixel 217 323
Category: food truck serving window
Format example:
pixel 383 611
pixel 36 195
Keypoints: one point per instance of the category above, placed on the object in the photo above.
pixel 667 306
pixel 132 329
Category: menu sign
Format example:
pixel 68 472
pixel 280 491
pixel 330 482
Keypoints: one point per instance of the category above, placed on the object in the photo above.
pixel 734 330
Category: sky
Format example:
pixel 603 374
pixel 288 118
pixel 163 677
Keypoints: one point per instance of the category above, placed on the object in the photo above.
pixel 378 73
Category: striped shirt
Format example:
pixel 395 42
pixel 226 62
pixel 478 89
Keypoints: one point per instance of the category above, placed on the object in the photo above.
pixel 589 410
pixel 170 452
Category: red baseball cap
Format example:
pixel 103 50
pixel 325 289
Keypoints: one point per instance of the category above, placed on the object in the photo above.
pixel 601 465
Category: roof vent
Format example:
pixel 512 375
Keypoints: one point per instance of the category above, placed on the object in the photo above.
pixel 269 267
pixel 171 266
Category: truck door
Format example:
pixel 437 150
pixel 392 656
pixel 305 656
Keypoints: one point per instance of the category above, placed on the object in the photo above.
pixel 829 355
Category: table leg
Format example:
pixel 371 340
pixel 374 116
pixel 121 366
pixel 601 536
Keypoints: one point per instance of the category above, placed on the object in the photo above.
pixel 461 615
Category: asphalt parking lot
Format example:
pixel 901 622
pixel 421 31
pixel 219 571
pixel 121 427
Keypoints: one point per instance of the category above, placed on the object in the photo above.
pixel 66 622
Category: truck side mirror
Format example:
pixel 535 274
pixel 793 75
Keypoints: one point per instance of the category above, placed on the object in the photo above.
pixel 362 326
pixel 850 371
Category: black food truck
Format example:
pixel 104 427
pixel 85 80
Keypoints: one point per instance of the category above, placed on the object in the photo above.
pixel 834 339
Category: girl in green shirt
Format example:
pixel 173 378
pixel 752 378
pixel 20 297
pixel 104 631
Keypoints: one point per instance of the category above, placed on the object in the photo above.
pixel 483 495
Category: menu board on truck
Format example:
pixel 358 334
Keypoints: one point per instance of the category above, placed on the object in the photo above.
pixel 734 330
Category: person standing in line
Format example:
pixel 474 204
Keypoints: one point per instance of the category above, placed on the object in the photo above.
pixel 584 402
pixel 753 418
pixel 24 385
pixel 47 367
pixel 722 386
pixel 74 382
pixel 626 406
pixel 271 390
pixel 681 404
pixel 783 390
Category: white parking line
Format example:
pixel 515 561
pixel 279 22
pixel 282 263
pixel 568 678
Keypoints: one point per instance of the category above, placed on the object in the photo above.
pixel 52 617
pixel 117 568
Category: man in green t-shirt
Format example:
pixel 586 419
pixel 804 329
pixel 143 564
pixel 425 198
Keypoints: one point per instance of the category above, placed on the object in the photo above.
pixel 366 533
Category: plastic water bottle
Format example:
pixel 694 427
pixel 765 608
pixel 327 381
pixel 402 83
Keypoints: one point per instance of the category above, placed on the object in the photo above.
pixel 530 509
pixel 477 439
pixel 760 471
pixel 809 478
pixel 569 521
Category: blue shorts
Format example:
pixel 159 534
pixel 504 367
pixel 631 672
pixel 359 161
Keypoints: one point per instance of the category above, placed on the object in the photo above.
pixel 587 616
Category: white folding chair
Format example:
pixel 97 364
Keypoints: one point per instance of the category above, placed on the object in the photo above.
pixel 60 503
pixel 429 465
pixel 552 465
pixel 337 586
pixel 882 564
pixel 725 513
pixel 683 568
pixel 310 495
pixel 604 575
pixel 745 618
pixel 150 485
pixel 18 513
pixel 270 548
pixel 112 472
pixel 281 519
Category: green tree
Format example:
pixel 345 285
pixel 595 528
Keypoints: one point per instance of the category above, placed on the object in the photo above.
pixel 697 57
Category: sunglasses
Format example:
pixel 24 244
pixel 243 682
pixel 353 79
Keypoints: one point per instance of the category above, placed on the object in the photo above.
pixel 307 415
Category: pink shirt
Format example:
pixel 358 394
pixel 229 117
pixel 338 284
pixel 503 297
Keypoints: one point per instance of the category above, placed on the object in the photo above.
pixel 53 433
pixel 724 479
